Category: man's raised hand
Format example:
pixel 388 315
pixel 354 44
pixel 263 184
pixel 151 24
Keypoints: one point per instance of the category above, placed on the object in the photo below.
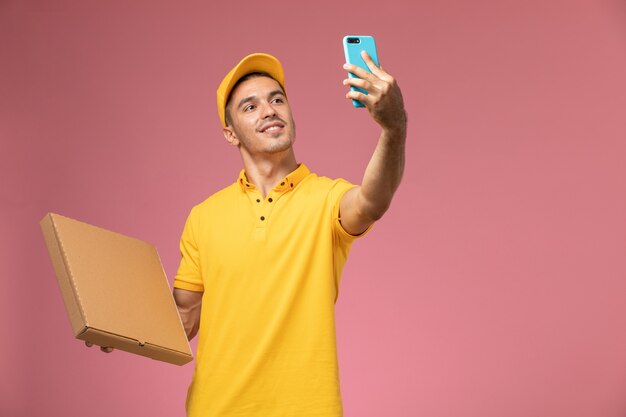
pixel 383 99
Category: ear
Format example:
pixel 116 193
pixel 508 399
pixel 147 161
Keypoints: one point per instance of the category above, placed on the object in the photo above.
pixel 230 136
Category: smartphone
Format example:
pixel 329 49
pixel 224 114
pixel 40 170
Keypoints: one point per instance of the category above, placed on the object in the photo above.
pixel 352 47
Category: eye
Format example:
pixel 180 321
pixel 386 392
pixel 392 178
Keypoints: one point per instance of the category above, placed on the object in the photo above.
pixel 248 107
pixel 277 100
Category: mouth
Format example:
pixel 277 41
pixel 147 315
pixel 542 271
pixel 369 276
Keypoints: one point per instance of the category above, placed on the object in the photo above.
pixel 272 128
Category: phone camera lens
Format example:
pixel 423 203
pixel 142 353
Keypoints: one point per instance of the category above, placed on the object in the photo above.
pixel 354 40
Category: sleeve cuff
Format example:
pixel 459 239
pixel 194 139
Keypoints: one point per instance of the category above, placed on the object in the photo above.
pixel 188 286
pixel 337 220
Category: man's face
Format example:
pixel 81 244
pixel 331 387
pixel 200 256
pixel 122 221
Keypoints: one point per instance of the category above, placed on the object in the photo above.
pixel 261 120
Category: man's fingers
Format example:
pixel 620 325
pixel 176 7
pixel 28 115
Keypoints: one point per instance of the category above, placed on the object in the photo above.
pixel 358 82
pixel 373 91
pixel 377 77
pixel 106 349
pixel 358 71
pixel 376 70
pixel 357 95
pixel 371 65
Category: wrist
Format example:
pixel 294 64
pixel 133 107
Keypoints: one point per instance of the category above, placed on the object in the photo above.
pixel 397 126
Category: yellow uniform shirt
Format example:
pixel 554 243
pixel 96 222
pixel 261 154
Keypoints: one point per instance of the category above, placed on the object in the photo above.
pixel 270 270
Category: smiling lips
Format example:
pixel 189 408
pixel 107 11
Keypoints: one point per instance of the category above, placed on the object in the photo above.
pixel 272 127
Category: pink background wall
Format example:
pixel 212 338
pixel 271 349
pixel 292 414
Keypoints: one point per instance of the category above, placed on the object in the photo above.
pixel 495 285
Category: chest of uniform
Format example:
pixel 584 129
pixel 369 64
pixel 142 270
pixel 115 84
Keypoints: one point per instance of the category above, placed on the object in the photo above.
pixel 257 230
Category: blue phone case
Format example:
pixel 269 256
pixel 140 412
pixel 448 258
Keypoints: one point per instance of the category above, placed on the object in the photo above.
pixel 352 51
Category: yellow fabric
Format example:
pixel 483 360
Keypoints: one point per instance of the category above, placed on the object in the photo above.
pixel 266 344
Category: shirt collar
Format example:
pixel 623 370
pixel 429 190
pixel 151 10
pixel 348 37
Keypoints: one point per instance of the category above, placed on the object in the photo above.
pixel 289 182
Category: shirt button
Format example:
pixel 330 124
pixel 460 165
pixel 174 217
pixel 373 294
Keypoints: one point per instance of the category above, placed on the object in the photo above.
pixel 262 218
pixel 258 201
pixel 292 185
pixel 270 199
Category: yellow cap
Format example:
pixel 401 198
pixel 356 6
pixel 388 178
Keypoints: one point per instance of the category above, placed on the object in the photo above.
pixel 258 62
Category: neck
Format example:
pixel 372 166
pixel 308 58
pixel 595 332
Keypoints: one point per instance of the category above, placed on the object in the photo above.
pixel 267 171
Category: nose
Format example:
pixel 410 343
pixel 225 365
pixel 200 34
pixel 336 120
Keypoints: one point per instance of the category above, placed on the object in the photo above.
pixel 268 111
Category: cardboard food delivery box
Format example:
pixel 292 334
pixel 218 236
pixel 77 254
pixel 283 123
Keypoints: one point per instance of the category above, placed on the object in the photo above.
pixel 115 290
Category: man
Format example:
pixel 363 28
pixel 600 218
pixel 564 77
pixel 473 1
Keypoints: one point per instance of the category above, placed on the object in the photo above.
pixel 262 258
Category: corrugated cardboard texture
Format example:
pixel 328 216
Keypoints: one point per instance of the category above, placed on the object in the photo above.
pixel 115 290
